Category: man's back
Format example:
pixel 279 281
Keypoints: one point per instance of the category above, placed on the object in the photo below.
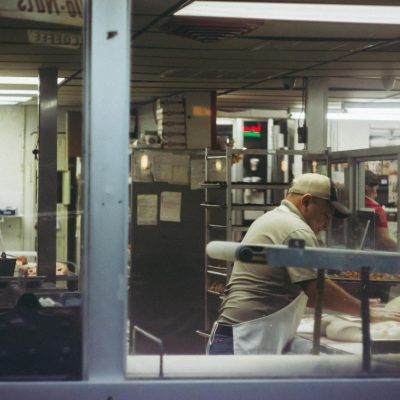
pixel 256 290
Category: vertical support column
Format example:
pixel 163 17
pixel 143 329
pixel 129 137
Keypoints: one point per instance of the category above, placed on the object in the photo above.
pixel 106 167
pixel 365 320
pixel 47 193
pixel 316 106
pixel 200 119
pixel 352 182
pixel 213 120
pixel 398 202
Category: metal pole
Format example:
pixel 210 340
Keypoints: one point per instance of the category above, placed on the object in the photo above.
pixel 154 339
pixel 47 190
pixel 106 157
pixel 365 317
pixel 318 312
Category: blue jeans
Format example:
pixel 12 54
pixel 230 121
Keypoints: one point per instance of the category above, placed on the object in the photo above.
pixel 221 344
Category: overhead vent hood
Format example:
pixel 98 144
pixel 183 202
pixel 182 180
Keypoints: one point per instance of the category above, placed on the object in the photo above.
pixel 209 30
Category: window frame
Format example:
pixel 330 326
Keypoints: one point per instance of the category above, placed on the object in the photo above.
pixel 104 298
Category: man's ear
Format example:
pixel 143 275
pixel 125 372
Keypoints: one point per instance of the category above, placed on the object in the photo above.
pixel 305 200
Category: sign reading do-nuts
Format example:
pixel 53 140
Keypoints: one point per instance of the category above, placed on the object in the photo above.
pixel 65 12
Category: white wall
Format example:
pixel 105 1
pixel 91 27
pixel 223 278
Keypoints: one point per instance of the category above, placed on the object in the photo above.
pixel 17 171
pixel 12 168
pixel 351 135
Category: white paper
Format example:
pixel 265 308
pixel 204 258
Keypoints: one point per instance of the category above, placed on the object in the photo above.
pixel 147 209
pixel 162 166
pixel 180 169
pixel 197 173
pixel 170 207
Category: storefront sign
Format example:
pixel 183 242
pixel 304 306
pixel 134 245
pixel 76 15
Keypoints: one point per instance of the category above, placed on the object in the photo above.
pixel 65 12
pixel 55 38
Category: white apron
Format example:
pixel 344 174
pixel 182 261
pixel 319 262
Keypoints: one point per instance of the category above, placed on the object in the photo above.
pixel 269 334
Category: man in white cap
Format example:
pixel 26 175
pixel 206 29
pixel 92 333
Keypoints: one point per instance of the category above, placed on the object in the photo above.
pixel 263 305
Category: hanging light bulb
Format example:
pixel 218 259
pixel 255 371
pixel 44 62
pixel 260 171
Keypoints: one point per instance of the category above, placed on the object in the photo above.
pixel 284 165
pixel 314 166
pixel 144 162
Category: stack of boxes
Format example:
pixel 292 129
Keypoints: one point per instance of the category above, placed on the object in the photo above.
pixel 171 126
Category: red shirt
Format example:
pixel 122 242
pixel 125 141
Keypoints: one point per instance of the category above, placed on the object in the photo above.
pixel 380 215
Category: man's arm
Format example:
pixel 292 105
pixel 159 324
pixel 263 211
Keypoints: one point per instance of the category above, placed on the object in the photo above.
pixel 335 297
pixel 384 241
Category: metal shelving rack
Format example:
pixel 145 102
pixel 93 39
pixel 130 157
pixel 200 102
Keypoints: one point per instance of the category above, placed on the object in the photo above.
pixel 232 209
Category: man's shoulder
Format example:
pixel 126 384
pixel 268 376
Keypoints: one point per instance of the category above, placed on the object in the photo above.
pixel 278 225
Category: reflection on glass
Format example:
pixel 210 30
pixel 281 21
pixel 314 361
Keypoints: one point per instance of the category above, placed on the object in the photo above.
pixel 340 176
pixel 41 203
pixel 381 197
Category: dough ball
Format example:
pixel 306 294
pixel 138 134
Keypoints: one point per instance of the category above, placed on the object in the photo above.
pixel 344 331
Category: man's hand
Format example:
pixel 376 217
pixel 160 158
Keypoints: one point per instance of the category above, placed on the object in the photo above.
pixel 379 314
pixel 374 302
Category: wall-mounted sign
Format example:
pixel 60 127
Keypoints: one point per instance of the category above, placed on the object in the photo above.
pixel 252 130
pixel 65 12
pixel 55 38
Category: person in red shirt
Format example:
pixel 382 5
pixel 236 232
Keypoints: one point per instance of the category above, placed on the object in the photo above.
pixel 383 241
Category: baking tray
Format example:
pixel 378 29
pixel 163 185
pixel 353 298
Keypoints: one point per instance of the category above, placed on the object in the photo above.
pixel 338 278
pixel 375 288
pixel 385 346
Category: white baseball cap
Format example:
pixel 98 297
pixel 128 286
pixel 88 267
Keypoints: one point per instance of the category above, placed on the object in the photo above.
pixel 322 187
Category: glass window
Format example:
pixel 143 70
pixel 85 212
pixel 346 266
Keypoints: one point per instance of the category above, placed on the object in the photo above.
pixel 380 184
pixel 41 196
pixel 67 204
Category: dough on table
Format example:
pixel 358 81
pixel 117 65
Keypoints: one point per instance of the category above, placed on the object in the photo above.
pixel 393 305
pixel 325 321
pixel 344 331
pixel 347 331
pixel 385 330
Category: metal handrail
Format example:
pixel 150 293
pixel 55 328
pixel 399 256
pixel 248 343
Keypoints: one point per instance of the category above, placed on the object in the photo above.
pixel 155 340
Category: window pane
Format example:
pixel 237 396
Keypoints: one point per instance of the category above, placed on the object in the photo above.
pixel 41 198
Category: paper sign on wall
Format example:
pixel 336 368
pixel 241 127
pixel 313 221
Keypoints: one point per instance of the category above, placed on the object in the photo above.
pixel 147 209
pixel 162 166
pixel 180 169
pixel 196 173
pixel 170 207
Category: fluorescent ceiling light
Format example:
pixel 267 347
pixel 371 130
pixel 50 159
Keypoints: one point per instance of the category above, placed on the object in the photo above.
pixel 224 121
pixel 375 106
pixel 22 80
pixel 364 115
pixel 373 111
pixel 296 115
pixel 19 91
pixel 8 103
pixel 18 99
pixel 294 12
